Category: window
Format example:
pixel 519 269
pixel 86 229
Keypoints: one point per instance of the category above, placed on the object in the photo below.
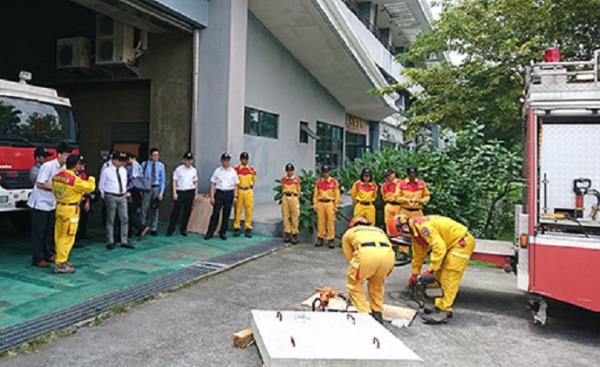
pixel 329 145
pixel 356 145
pixel 260 123
pixel 303 133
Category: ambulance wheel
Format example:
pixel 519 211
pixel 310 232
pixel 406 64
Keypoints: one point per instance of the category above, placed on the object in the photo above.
pixel 21 220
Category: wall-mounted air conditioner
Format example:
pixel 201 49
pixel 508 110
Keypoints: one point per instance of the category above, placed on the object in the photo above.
pixel 72 52
pixel 114 41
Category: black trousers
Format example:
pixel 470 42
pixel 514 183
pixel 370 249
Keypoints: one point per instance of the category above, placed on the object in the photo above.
pixel 83 222
pixel 223 201
pixel 134 207
pixel 185 200
pixel 42 235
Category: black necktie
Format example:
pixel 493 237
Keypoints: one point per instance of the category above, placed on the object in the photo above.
pixel 120 182
pixel 153 174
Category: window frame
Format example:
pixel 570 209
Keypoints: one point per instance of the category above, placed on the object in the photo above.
pixel 260 121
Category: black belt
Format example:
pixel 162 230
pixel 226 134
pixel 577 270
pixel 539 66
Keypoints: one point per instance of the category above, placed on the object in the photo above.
pixel 69 204
pixel 373 244
pixel 411 209
pixel 111 194
pixel 392 202
pixel 155 185
pixel 289 194
pixel 246 188
pixel 224 191
pixel 365 202
pixel 325 200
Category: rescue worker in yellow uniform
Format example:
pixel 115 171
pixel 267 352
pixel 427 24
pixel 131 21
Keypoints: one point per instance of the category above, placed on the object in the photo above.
pixel 290 204
pixel 68 188
pixel 390 194
pixel 370 257
pixel 414 194
pixel 364 194
pixel 245 201
pixel 451 246
pixel 326 200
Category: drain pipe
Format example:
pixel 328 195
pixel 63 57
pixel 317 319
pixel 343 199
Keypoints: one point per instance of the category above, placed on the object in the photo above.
pixel 195 92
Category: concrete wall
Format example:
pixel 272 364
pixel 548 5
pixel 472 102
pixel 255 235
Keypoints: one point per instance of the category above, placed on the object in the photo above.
pixel 276 82
pixel 195 10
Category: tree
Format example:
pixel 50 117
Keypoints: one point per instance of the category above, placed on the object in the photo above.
pixel 497 40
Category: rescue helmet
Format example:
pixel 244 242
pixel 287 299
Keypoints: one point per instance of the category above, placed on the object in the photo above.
pixel 397 225
pixel 244 155
pixel 411 170
pixel 358 221
pixel 365 173
pixel 289 167
pixel 325 168
pixel 387 172
pixel 225 157
pixel 188 156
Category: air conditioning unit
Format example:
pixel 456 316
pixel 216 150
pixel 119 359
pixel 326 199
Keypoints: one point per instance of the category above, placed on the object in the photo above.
pixel 72 52
pixel 114 41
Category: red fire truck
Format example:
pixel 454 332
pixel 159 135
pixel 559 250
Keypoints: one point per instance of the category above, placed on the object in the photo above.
pixel 30 116
pixel 558 229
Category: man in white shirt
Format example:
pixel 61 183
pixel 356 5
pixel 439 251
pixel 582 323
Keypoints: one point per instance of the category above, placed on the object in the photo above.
pixel 223 192
pixel 43 205
pixel 185 180
pixel 113 189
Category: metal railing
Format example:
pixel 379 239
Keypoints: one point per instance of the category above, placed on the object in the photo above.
pixel 353 6
pixel 574 71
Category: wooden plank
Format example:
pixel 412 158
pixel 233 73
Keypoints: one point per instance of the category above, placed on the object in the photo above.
pixel 243 338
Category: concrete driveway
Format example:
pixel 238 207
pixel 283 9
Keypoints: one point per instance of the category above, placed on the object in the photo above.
pixel 194 326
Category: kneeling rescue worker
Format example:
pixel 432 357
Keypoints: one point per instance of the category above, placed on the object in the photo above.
pixel 451 246
pixel 68 188
pixel 370 257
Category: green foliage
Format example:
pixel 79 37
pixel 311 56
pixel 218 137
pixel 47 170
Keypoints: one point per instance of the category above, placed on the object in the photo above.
pixel 497 39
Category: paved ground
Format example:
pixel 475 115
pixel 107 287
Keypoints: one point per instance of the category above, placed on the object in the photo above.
pixel 193 327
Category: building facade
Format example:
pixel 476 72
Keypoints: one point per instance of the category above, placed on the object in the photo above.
pixel 285 80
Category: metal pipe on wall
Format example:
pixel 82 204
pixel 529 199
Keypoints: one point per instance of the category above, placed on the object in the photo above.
pixel 195 93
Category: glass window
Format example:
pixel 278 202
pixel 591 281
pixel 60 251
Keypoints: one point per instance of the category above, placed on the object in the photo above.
pixel 356 145
pixel 303 133
pixel 260 123
pixel 330 145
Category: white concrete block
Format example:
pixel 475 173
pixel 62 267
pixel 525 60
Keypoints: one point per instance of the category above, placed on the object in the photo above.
pixel 327 339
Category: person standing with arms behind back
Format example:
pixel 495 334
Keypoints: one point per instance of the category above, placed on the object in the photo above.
pixel 68 189
pixel 326 200
pixel 223 192
pixel 364 194
pixel 113 188
pixel 43 205
pixel 154 170
pixel 185 184
pixel 413 194
pixel 247 176
pixel 290 204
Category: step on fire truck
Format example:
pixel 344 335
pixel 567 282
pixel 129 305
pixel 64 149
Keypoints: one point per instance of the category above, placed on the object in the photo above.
pixel 558 229
pixel 30 116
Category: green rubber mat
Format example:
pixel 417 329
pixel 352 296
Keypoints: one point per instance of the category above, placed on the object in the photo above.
pixel 27 292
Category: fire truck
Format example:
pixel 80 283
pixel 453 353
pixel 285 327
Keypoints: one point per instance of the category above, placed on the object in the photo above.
pixel 30 116
pixel 558 227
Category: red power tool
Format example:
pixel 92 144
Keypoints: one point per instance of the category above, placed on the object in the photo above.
pixel 580 187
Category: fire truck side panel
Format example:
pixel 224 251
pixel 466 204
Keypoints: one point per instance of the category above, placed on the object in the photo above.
pixel 567 270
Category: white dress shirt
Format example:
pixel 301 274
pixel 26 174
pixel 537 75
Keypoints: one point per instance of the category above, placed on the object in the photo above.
pixel 225 179
pixel 109 183
pixel 41 199
pixel 185 178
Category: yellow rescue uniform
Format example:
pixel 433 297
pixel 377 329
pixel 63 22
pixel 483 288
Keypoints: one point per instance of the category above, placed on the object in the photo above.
pixel 68 189
pixel 326 199
pixel 290 204
pixel 369 254
pixel 245 200
pixel 413 197
pixel 390 194
pixel 364 195
pixel 451 246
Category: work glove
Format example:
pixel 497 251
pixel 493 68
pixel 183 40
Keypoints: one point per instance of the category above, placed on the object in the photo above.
pixel 412 281
pixel 427 277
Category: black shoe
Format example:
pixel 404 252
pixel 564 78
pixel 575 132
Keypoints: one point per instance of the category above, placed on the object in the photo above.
pixel 294 239
pixel 319 243
pixel 378 317
pixel 110 246
pixel 331 244
pixel 431 309
pixel 236 233
pixel 248 233
pixel 169 233
pixel 286 238
pixel 153 233
pixel 223 236
pixel 208 237
pixel 183 233
pixel 128 245
pixel 436 317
